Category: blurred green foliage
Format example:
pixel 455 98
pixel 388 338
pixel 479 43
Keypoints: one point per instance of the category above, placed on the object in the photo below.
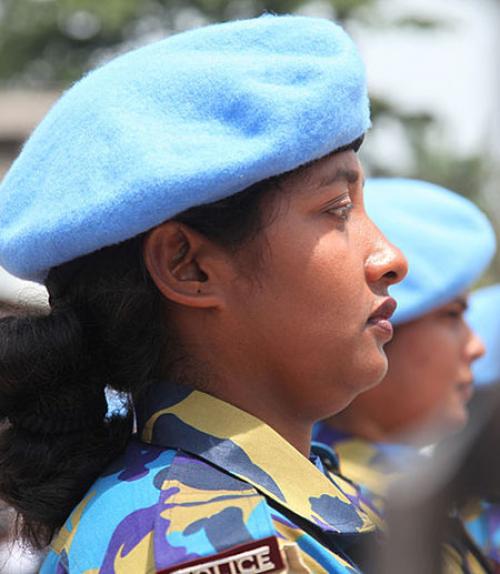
pixel 51 43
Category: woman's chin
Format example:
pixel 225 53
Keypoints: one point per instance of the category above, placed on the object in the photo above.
pixel 376 370
pixel 458 419
pixel 370 377
pixel 447 423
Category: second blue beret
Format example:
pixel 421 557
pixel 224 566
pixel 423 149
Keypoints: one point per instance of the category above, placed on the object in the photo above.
pixel 447 240
pixel 484 317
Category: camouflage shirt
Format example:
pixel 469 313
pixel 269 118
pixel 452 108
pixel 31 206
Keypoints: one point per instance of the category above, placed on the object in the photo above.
pixel 374 467
pixel 207 488
pixel 482 520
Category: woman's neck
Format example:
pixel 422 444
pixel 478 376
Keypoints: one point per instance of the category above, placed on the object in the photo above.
pixel 289 425
pixel 371 430
pixel 361 427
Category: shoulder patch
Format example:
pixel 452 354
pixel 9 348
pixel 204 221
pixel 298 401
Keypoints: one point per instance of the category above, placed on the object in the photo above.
pixel 259 556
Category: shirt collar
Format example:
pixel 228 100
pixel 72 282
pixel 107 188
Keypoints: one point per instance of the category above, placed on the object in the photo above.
pixel 178 417
pixel 372 464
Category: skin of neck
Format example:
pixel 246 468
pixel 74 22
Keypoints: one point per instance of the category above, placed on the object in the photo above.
pixel 359 423
pixel 350 422
pixel 238 373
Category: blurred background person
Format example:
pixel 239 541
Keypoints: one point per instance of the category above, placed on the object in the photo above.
pixel 423 398
pixel 464 471
pixel 483 517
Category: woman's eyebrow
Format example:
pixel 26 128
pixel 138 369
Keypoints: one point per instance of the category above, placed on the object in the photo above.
pixel 461 300
pixel 341 174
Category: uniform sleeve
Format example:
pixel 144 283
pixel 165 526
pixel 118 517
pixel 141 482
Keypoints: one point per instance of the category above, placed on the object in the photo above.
pixel 53 564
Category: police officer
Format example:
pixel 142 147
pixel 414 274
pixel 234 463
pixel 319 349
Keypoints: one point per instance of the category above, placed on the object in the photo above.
pixel 195 209
pixel 483 517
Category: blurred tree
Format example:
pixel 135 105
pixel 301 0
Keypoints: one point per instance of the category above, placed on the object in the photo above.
pixel 49 42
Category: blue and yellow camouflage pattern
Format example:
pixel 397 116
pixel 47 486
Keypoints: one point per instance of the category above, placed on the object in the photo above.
pixel 482 520
pixel 201 477
pixel 375 467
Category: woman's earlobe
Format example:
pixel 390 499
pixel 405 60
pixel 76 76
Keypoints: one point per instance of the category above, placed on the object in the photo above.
pixel 179 262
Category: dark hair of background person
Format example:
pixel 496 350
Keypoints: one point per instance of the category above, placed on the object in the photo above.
pixel 105 328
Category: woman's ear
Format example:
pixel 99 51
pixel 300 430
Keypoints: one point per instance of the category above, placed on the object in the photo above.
pixel 186 267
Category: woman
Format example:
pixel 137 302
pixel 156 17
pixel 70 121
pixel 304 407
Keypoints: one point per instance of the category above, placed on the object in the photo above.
pixel 425 392
pixel 246 298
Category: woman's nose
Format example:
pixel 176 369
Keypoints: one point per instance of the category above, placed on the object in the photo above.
pixel 475 347
pixel 386 263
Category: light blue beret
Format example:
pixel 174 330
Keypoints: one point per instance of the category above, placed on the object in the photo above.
pixel 182 122
pixel 483 316
pixel 447 240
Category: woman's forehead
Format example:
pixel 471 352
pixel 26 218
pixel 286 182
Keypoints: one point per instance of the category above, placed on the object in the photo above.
pixel 337 167
pixel 460 300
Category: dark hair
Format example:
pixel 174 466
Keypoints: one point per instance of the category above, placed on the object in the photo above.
pixel 105 329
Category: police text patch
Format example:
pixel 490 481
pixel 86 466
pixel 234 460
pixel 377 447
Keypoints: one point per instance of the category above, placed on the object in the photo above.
pixel 261 556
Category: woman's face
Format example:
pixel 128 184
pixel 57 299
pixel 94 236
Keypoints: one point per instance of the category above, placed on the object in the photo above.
pixel 314 318
pixel 429 381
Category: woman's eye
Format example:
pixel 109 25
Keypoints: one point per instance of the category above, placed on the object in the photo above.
pixel 454 313
pixel 341 211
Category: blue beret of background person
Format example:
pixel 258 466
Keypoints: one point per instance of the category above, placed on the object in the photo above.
pixel 484 317
pixel 449 243
pixel 179 203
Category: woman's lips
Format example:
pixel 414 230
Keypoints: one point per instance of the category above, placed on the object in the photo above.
pixel 383 325
pixel 380 318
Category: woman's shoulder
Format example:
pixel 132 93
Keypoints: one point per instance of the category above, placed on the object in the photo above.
pixel 126 487
pixel 157 507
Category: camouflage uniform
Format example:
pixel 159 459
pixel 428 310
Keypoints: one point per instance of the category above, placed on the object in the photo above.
pixel 205 484
pixel 374 467
pixel 483 523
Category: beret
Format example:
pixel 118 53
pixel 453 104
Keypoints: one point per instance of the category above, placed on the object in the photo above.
pixel 188 120
pixel 447 240
pixel 483 316
pixel 15 291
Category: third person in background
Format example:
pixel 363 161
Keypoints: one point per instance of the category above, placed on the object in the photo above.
pixel 423 398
